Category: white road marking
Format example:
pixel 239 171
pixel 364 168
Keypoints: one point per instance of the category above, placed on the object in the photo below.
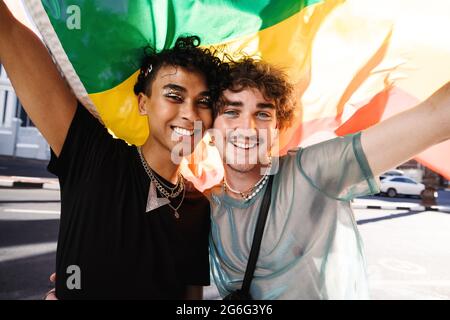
pixel 402 266
pixel 32 211
pixel 26 251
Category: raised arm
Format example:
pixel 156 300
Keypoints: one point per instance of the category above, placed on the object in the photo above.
pixel 398 139
pixel 42 91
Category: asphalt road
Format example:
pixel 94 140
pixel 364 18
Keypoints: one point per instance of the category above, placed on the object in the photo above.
pixel 11 166
pixel 408 253
pixel 29 222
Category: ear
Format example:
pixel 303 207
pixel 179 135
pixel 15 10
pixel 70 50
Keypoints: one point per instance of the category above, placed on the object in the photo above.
pixel 142 101
pixel 276 133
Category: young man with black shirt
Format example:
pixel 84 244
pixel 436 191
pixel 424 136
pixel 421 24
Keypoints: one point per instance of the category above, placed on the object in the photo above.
pixel 131 226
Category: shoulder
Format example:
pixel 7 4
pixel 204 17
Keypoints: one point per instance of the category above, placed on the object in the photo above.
pixel 326 152
pixel 212 192
pixel 287 162
pixel 193 194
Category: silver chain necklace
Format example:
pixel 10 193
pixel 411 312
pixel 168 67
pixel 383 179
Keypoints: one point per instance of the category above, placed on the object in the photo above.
pixel 175 210
pixel 160 185
pixel 174 192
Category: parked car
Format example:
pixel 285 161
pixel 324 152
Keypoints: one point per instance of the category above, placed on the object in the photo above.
pixel 398 184
pixel 390 173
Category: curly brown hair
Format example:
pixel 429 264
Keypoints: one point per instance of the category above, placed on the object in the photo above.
pixel 270 80
pixel 188 54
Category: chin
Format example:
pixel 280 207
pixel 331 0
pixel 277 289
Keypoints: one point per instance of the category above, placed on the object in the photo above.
pixel 183 149
pixel 243 168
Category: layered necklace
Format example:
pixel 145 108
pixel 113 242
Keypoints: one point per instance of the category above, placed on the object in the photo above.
pixel 251 192
pixel 167 191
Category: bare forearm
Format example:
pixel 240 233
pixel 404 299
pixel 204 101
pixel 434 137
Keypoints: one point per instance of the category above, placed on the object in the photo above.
pixel 36 80
pixel 5 22
pixel 439 105
pixel 405 135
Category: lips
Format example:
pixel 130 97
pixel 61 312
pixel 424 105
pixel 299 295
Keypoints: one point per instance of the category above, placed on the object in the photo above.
pixel 183 131
pixel 246 145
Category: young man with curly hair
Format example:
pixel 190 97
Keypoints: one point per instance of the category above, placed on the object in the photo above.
pixel 311 248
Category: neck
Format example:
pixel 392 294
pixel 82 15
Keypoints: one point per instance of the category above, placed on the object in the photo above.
pixel 242 181
pixel 159 160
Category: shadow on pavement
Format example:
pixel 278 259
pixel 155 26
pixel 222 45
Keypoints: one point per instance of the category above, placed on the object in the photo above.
pixel 15 166
pixel 26 278
pixel 389 217
pixel 20 232
pixel 30 201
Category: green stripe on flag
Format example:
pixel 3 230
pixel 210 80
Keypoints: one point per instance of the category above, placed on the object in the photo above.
pixel 107 48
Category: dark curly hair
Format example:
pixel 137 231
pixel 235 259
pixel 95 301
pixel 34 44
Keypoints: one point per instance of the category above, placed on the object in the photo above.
pixel 187 54
pixel 270 80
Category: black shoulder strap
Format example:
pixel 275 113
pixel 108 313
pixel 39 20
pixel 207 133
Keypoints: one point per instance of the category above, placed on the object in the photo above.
pixel 257 237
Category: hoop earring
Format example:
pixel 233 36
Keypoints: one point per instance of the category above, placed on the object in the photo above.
pixel 270 157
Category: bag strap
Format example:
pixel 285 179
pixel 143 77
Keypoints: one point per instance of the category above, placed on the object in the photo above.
pixel 257 237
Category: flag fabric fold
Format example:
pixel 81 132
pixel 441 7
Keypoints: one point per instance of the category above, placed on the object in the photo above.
pixel 354 63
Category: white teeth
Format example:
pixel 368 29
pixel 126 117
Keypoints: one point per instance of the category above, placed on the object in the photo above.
pixel 244 145
pixel 183 132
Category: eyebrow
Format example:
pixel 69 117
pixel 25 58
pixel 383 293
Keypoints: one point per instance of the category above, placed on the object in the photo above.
pixel 260 105
pixel 205 93
pixel 265 106
pixel 183 89
pixel 233 103
pixel 175 87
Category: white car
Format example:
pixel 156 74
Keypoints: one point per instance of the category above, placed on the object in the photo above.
pixel 394 185
pixel 390 173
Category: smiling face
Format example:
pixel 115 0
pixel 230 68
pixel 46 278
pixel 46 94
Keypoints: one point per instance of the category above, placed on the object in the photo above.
pixel 245 128
pixel 178 106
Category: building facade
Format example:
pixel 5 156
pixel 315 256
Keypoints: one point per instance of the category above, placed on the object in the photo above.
pixel 422 174
pixel 18 135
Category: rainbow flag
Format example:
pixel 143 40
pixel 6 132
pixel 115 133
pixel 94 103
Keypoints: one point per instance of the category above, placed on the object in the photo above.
pixel 354 62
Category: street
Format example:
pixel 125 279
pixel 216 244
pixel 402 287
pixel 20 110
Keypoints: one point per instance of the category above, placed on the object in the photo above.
pixel 29 222
pixel 407 251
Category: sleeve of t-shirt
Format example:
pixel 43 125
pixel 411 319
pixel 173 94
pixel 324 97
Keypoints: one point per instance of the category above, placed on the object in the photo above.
pixel 339 168
pixel 85 147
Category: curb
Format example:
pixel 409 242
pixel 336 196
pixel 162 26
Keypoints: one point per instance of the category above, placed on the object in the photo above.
pixel 51 186
pixel 416 208
pixel 6 183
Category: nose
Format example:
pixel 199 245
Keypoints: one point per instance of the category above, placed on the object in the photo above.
pixel 189 112
pixel 246 127
pixel 247 122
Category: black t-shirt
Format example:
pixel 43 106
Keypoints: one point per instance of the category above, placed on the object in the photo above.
pixel 122 252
